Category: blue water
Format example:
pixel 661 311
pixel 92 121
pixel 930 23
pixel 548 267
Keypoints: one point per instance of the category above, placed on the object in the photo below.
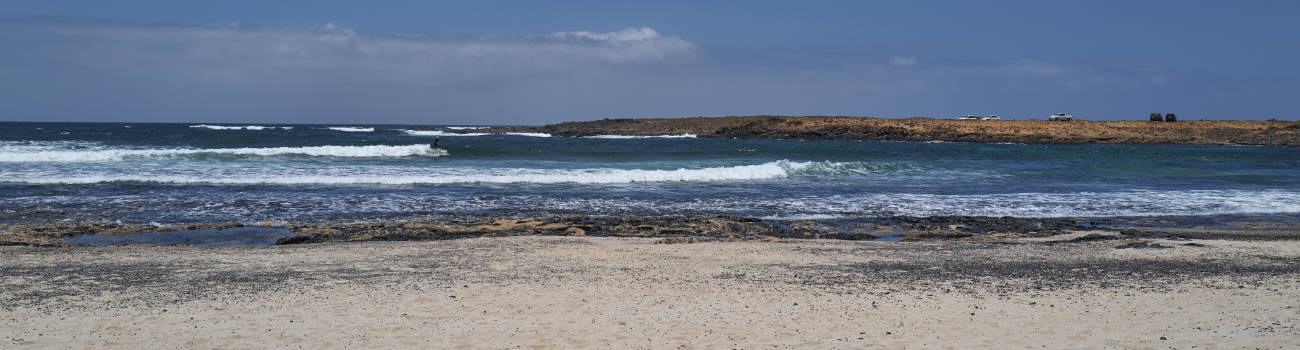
pixel 177 173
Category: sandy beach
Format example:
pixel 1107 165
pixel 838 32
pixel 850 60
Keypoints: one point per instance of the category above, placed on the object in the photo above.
pixel 603 292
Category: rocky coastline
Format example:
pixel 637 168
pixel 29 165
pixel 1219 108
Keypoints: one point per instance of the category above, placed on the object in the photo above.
pixel 1265 133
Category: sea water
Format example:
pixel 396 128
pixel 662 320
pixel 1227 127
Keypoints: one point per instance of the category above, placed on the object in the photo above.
pixel 181 173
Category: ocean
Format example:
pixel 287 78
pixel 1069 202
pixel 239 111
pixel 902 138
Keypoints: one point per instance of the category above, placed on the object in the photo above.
pixel 183 173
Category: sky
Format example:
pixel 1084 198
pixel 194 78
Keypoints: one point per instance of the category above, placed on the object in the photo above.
pixel 537 62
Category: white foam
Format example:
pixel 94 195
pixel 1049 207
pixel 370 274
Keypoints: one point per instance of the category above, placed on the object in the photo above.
pixel 682 136
pixel 238 127
pixel 1076 204
pixel 406 176
pixel 1072 204
pixel 351 129
pixel 40 146
pixel 444 133
pixel 799 217
pixel 529 134
pixel 466 127
pixel 438 133
pixel 103 155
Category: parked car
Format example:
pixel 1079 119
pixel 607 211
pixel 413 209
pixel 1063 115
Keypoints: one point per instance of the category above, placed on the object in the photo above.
pixel 1060 117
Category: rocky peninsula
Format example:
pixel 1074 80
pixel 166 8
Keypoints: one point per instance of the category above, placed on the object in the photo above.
pixel 1203 132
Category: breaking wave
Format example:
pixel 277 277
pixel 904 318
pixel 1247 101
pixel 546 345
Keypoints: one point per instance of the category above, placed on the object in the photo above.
pixel 682 136
pixel 770 170
pixel 105 155
pixel 351 129
pixel 240 127
pixel 444 133
pixel 529 134
pixel 438 133
pixel 1070 204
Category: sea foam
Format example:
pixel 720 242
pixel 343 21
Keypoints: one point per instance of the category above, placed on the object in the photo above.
pixel 239 127
pixel 103 155
pixel 682 136
pixel 444 133
pixel 388 176
pixel 529 134
pixel 438 133
pixel 351 129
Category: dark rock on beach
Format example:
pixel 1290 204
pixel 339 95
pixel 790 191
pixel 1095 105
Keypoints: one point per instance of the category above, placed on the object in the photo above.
pixel 54 233
pixel 303 239
pixel 1142 245
pixel 688 229
pixel 674 229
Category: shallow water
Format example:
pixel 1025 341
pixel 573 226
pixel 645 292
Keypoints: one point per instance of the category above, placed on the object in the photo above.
pixel 231 237
pixel 177 173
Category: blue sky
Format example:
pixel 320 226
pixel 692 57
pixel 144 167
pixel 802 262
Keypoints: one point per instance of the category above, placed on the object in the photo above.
pixel 532 62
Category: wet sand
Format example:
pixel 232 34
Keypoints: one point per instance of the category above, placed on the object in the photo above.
pixel 1072 291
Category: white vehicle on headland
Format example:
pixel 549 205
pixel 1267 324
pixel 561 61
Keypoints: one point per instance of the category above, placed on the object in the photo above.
pixel 1060 117
pixel 969 117
pixel 992 117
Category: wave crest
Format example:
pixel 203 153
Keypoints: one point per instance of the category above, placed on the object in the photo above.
pixel 770 170
pixel 351 129
pixel 444 133
pixel 682 136
pixel 239 127
pixel 438 133
pixel 104 155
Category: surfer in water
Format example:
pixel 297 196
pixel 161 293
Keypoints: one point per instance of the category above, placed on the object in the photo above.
pixel 435 143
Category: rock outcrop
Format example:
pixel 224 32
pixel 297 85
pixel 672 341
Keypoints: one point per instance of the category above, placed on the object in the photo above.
pixel 1270 133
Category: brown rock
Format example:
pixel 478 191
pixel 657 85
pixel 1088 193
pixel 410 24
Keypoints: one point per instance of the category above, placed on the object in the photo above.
pixel 926 129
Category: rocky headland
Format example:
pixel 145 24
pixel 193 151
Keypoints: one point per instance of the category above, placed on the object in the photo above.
pixel 1204 132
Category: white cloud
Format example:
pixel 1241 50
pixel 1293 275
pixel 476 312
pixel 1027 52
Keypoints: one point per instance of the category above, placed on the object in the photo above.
pixel 628 34
pixel 902 61
pixel 84 70
pixel 631 44
pixel 232 50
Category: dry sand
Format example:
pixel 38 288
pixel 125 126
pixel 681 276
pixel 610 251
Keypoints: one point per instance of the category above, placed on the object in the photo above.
pixel 585 292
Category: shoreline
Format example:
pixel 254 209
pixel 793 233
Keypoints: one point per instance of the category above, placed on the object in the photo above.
pixel 679 229
pixel 1262 133
pixel 661 282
